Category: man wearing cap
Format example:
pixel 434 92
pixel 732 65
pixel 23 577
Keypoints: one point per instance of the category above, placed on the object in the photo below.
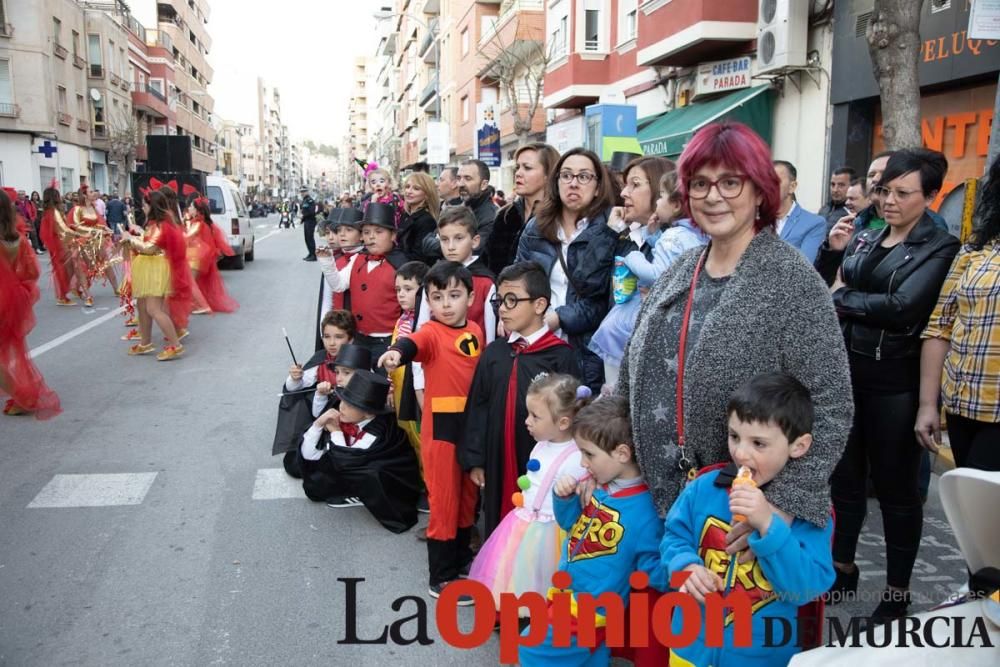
pixel 308 222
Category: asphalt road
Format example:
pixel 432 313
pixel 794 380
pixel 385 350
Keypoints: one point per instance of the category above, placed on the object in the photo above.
pixel 149 525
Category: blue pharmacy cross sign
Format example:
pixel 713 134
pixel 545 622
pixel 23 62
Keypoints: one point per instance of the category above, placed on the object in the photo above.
pixel 47 148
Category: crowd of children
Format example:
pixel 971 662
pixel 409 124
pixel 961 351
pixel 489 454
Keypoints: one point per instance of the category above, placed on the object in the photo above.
pixel 413 391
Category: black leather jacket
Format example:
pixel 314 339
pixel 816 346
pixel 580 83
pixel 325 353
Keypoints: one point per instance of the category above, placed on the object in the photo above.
pixel 883 309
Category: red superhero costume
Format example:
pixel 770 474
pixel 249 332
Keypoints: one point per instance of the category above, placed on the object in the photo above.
pixel 19 378
pixel 204 246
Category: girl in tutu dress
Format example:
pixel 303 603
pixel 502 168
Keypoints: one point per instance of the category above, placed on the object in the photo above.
pixel 522 553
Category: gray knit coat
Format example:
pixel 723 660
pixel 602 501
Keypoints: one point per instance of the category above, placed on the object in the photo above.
pixel 775 314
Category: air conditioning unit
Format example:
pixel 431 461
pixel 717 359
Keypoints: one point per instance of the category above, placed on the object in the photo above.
pixel 782 30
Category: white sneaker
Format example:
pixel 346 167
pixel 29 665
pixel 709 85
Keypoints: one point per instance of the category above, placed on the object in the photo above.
pixel 345 502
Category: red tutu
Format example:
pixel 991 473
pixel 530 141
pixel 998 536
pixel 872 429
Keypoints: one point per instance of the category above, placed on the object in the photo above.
pixel 181 299
pixel 19 378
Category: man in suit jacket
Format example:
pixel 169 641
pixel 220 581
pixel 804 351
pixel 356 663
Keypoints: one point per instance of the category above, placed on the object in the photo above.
pixel 795 225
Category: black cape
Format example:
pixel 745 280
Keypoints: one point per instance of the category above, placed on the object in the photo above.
pixel 482 445
pixel 294 413
pixel 385 477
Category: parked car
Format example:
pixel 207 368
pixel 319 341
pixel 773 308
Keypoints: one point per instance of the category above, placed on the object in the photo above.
pixel 231 214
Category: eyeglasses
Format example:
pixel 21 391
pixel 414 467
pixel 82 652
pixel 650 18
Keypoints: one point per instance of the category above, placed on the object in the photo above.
pixel 509 300
pixel 729 186
pixel 897 194
pixel 635 183
pixel 583 178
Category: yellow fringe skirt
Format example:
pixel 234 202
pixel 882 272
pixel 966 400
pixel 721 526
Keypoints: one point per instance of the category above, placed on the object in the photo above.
pixel 150 276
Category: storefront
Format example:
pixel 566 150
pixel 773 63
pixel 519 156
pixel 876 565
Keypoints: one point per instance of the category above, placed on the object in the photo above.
pixel 958 78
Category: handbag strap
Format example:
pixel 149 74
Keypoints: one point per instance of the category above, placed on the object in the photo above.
pixel 545 488
pixel 562 263
pixel 681 354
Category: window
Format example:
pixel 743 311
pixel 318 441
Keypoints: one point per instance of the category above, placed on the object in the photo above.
pixel 627 25
pixel 56 31
pixel 122 62
pixel 465 42
pixel 76 43
pixel 591 30
pixel 6 90
pixel 61 98
pixel 558 19
pixel 465 109
pixel 94 49
pixel 155 84
pixel 68 175
pixel 100 129
pixel 81 111
pixel 111 56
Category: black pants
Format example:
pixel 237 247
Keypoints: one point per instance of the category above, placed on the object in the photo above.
pixel 975 444
pixel 309 228
pixel 34 236
pixel 882 443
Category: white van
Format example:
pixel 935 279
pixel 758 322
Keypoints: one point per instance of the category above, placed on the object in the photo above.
pixel 231 215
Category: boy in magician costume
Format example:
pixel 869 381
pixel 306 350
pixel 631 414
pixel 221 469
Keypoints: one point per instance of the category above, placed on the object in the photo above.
pixel 358 451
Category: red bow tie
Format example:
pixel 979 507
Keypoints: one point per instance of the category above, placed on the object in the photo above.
pixel 351 432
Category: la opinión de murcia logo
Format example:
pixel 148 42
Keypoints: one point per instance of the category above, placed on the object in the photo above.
pixel 592 620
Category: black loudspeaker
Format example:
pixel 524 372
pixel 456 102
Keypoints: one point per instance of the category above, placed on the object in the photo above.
pixel 168 153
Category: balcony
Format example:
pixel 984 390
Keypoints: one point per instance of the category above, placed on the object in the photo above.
pixel 152 101
pixel 9 110
pixel 79 62
pixel 387 47
pixel 96 71
pixel 59 50
pixel 686 32
pixel 64 118
pixel 82 124
pixel 125 85
pixel 429 92
pixel 428 40
pixel 6 30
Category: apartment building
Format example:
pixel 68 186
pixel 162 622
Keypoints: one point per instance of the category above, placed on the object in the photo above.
pixel 357 111
pixel 109 95
pixel 151 78
pixel 45 118
pixel 183 26
pixel 272 172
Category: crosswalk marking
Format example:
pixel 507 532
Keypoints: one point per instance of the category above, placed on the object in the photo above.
pixel 99 490
pixel 276 484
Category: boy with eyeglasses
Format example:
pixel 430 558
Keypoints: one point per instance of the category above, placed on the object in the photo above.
pixel 496 455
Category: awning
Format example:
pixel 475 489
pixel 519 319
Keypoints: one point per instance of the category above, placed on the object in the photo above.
pixel 668 134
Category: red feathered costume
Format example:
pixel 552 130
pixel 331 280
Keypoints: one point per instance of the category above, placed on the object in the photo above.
pixel 203 250
pixel 20 379
pixel 60 255
pixel 181 299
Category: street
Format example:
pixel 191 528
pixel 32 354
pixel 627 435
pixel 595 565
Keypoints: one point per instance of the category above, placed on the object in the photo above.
pixel 149 525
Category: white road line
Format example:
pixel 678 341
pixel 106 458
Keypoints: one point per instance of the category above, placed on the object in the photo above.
pixel 275 484
pixel 70 335
pixel 94 490
pixel 266 236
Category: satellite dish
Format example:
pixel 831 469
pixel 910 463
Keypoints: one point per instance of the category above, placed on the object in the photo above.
pixel 95 94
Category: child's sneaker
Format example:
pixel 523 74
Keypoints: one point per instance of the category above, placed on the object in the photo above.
pixel 170 352
pixel 89 301
pixel 139 348
pixel 181 335
pixel 423 506
pixel 132 335
pixel 65 302
pixel 463 600
pixel 340 501
pixel 13 409
pixel 132 322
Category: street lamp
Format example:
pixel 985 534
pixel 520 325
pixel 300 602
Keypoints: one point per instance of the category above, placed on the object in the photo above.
pixel 435 34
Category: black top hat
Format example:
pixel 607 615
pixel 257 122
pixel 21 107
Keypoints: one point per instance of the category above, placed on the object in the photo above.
pixel 343 216
pixel 620 160
pixel 354 356
pixel 367 392
pixel 383 215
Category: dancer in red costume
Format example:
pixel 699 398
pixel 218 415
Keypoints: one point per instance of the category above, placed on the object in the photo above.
pixel 180 302
pixel 159 270
pixel 19 378
pixel 205 242
pixel 84 217
pixel 68 274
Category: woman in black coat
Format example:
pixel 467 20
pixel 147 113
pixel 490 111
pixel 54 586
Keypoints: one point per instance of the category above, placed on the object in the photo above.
pixel 570 238
pixel 417 235
pixel 885 283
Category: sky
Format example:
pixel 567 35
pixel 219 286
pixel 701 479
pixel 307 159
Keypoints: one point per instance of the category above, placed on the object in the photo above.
pixel 304 47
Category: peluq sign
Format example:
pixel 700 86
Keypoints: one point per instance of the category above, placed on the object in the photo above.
pixel 722 76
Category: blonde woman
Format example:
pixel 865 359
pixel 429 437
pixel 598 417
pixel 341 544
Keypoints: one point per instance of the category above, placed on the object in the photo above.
pixel 418 225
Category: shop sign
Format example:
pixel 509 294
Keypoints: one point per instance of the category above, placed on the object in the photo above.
pixel 722 76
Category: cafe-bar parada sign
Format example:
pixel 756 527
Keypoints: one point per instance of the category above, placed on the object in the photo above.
pixel 722 76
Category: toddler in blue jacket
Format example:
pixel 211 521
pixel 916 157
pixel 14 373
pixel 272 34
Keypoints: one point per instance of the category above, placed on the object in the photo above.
pixel 770 419
pixel 615 534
